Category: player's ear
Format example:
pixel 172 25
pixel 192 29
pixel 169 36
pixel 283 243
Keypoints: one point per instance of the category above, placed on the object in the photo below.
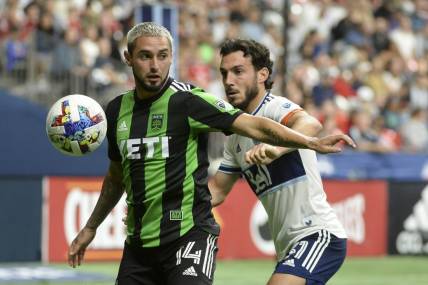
pixel 127 57
pixel 262 75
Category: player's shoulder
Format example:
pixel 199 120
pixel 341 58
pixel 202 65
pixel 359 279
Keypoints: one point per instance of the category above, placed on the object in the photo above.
pixel 279 101
pixel 114 104
pixel 278 104
pixel 183 87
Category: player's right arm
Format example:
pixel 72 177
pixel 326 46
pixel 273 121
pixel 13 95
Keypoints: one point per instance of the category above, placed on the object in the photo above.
pixel 271 132
pixel 220 185
pixel 301 122
pixel 111 192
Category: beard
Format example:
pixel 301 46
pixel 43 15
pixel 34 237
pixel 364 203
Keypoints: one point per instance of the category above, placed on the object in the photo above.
pixel 152 88
pixel 147 87
pixel 250 94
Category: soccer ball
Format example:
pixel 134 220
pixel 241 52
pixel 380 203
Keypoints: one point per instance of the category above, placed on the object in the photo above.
pixel 76 125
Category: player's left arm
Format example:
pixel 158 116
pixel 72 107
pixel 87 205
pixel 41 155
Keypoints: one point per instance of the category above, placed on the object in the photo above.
pixel 220 186
pixel 301 122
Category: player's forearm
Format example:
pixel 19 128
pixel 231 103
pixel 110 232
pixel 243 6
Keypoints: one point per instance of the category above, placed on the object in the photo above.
pixel 217 195
pixel 111 192
pixel 271 132
pixel 306 125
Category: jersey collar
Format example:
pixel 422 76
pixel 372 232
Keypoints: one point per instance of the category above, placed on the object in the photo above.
pixel 262 102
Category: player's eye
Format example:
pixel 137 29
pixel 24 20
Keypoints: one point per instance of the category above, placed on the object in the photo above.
pixel 144 56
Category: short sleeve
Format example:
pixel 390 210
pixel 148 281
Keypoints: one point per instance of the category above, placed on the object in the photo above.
pixel 207 112
pixel 112 113
pixel 229 164
pixel 281 110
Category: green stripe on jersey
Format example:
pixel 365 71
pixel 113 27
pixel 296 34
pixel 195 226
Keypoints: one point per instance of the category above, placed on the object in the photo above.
pixel 154 170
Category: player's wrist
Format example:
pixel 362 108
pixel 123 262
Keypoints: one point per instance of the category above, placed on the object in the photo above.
pixel 91 227
pixel 312 143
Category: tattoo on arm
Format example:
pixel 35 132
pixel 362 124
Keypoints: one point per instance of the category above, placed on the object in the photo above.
pixel 273 137
pixel 111 193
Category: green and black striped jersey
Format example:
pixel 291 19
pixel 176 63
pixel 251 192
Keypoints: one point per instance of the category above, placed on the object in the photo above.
pixel 162 145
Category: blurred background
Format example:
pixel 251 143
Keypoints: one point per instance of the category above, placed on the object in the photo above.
pixel 359 66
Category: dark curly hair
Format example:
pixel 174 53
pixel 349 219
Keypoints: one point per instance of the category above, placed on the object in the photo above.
pixel 260 55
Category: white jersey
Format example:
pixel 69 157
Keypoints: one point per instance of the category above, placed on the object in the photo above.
pixel 290 188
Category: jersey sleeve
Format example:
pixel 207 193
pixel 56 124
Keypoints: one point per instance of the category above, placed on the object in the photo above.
pixel 229 164
pixel 207 112
pixel 112 113
pixel 282 110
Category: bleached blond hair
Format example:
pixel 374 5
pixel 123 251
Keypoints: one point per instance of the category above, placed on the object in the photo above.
pixel 147 29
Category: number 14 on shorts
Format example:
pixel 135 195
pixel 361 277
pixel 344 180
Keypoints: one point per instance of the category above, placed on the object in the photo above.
pixel 186 252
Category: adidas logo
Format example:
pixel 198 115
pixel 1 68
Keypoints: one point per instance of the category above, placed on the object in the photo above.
pixel 122 127
pixel 289 262
pixel 417 220
pixel 238 149
pixel 190 271
pixel 412 239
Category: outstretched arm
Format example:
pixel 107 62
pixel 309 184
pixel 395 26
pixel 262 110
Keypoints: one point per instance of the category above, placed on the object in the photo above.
pixel 111 192
pixel 220 185
pixel 301 122
pixel 271 132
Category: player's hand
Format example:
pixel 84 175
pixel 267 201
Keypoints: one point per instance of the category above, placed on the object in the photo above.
pixel 262 154
pixel 327 144
pixel 78 246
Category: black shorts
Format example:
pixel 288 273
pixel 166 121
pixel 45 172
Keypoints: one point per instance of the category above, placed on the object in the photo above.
pixel 188 261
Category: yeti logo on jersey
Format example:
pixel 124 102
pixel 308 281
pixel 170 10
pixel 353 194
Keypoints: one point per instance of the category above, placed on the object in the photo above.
pixel 223 105
pixel 132 148
pixel 157 120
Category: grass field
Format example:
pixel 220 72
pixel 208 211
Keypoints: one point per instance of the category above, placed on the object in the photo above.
pixel 355 271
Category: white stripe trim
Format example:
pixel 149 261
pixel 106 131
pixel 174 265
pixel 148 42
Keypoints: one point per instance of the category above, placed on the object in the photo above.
pixel 182 86
pixel 209 256
pixel 205 266
pixel 173 87
pixel 321 252
pixel 302 249
pixel 177 85
pixel 320 245
pixel 308 257
pixel 206 255
pixel 210 259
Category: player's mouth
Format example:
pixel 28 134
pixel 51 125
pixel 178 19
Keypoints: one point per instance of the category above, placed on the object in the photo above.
pixel 153 77
pixel 231 93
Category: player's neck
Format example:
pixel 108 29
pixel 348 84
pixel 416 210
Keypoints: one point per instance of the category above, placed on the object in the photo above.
pixel 256 101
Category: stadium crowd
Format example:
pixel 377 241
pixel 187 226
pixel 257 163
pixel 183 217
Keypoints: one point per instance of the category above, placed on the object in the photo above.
pixel 360 67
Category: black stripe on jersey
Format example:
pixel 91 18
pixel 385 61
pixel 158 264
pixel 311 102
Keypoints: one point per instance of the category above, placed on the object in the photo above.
pixel 209 116
pixel 202 198
pixel 140 118
pixel 175 172
pixel 112 112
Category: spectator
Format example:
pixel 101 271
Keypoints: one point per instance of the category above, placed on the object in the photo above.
pixel 415 132
pixel 366 138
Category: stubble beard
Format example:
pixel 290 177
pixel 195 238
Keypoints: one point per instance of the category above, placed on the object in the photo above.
pixel 250 94
pixel 150 88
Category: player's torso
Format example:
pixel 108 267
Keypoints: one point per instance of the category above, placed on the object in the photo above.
pixel 161 160
pixel 289 188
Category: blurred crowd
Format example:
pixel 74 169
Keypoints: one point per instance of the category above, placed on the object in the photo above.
pixel 360 67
